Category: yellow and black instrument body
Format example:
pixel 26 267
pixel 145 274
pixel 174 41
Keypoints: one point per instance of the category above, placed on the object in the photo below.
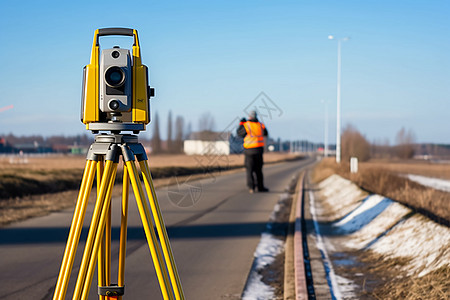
pixel 137 113
pixel 115 98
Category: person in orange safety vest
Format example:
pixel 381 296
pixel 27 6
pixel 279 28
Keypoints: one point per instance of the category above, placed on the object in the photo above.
pixel 253 133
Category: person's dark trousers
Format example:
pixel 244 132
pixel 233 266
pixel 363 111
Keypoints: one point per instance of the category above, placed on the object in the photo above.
pixel 253 164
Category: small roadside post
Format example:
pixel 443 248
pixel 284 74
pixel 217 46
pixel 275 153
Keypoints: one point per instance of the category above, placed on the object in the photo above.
pixel 353 165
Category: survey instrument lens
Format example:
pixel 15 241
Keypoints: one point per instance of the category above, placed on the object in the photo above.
pixel 115 54
pixel 114 77
pixel 114 104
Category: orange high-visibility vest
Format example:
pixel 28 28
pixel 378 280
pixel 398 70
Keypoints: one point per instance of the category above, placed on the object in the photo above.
pixel 255 135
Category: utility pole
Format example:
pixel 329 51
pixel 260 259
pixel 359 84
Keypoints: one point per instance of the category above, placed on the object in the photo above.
pixel 338 110
pixel 325 138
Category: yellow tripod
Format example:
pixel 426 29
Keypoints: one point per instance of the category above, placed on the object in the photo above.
pixel 103 158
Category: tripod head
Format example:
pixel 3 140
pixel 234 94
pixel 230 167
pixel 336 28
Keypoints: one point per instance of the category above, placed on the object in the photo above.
pixel 116 89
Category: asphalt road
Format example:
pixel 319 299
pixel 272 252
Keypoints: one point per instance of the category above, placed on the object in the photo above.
pixel 214 226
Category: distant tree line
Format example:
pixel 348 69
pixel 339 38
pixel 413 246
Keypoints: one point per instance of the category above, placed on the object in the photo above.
pixel 81 139
pixel 354 144
pixel 39 144
pixel 177 132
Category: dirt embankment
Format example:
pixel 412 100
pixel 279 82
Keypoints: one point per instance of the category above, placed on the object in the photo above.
pixel 387 178
pixel 381 249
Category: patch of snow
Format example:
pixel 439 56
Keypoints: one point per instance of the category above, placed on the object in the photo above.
pixel 284 197
pixel 347 288
pixel 257 289
pixel 435 183
pixel 266 251
pixel 332 280
pixel 268 248
pixel 379 226
pixel 371 207
pixel 426 243
pixel 341 195
pixel 388 229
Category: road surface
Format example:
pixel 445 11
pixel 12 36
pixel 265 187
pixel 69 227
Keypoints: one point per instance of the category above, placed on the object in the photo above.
pixel 213 241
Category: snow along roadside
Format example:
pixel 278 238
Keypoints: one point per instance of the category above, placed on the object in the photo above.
pixel 390 229
pixel 266 251
pixel 435 183
pixel 332 279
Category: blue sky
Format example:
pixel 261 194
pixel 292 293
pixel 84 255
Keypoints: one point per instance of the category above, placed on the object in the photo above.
pixel 217 57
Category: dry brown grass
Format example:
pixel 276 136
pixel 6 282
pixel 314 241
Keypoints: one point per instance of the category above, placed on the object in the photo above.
pixel 384 279
pixel 383 177
pixel 434 285
pixel 423 168
pixel 23 182
pixel 58 162
pixel 12 210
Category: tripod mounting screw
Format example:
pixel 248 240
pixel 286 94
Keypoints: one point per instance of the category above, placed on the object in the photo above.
pixel 112 290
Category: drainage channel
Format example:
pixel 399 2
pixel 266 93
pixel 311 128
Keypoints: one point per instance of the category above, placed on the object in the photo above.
pixel 304 284
pixel 265 280
pixel 312 260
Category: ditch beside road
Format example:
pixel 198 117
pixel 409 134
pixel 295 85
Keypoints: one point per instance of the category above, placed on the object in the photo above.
pixel 373 247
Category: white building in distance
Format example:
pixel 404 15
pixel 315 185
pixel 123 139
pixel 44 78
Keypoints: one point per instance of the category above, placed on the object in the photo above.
pixel 209 143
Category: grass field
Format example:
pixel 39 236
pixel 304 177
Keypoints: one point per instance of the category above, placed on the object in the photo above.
pixel 58 162
pixel 385 178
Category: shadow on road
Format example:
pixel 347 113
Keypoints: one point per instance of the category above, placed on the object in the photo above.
pixel 17 236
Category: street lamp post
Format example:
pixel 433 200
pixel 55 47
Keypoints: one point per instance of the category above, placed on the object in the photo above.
pixel 338 110
pixel 325 137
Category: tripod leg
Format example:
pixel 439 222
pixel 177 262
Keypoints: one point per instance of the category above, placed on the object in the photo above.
pixel 104 252
pixel 75 231
pixel 162 232
pixel 105 215
pixel 101 207
pixel 101 252
pixel 123 229
pixel 155 251
pixel 107 240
